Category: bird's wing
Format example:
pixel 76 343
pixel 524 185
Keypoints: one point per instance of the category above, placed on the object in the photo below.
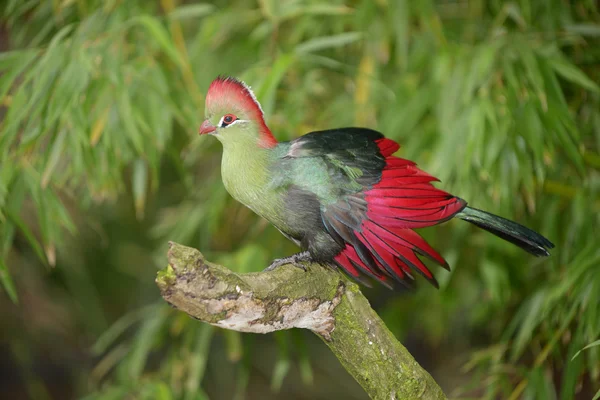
pixel 375 203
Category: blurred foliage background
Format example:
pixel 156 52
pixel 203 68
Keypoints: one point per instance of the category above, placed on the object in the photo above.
pixel 100 165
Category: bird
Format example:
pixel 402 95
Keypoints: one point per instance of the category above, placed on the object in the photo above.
pixel 340 194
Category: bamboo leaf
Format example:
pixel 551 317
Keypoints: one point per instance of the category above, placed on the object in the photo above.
pixel 283 363
pixel 110 393
pixel 140 187
pixel 7 282
pixel 499 100
pixel 198 362
pixel 233 342
pixel 281 370
pixel 571 73
pixel 33 242
pixel 328 42
pixel 56 154
pixel 306 371
pixel 160 35
pixel 402 28
pixel 584 29
pixel 119 327
pixel 128 120
pixel 269 87
pixel 98 127
pixel 191 11
pixel 143 344
pixel 317 9
pixel 327 9
pixel 162 391
pixel 529 316
pixel 242 381
pixel 13 64
pixel 593 344
pixel 571 374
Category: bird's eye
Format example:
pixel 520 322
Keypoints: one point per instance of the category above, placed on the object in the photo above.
pixel 228 119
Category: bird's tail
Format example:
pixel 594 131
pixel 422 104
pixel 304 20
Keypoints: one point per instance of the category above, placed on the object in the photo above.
pixel 513 232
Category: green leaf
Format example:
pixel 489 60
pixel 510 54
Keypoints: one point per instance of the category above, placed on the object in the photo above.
pixel 401 25
pixel 497 281
pixel 306 371
pixel 7 235
pixel 33 242
pixel 140 185
pixel 584 29
pixel 190 11
pixel 242 377
pixel 118 328
pixel 328 42
pixel 593 344
pixel 283 364
pixel 571 373
pixel 540 386
pixel 281 370
pixel 12 65
pixel 233 344
pixel 110 393
pixel 317 9
pixel 160 35
pixel 532 68
pixel 134 135
pixel 197 363
pixel 7 282
pixel 529 316
pixel 573 74
pixel 514 12
pixel 162 391
pixel 327 9
pixel 266 92
pixel 480 69
pixel 58 37
pixel 143 343
pixel 56 154
pixel 249 258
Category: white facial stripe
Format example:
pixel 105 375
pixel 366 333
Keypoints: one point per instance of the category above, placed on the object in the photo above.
pixel 220 125
pixel 236 121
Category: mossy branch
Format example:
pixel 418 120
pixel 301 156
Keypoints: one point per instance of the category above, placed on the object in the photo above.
pixel 320 299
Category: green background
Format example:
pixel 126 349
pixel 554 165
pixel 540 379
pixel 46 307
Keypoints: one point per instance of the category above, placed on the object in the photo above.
pixel 101 165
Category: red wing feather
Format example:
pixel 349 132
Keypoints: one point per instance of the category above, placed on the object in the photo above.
pixel 349 261
pixel 401 201
pixel 414 203
pixel 387 147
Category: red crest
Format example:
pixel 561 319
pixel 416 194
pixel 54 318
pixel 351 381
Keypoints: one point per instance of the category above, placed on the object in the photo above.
pixel 230 91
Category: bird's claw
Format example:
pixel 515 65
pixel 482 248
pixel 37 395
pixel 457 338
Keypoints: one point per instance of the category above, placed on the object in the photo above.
pixel 296 260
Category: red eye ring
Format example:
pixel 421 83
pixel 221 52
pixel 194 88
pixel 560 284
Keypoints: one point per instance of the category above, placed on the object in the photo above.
pixel 228 119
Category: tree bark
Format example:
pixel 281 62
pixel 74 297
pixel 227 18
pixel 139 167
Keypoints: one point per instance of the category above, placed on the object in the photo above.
pixel 320 299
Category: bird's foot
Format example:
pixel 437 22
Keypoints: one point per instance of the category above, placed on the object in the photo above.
pixel 296 260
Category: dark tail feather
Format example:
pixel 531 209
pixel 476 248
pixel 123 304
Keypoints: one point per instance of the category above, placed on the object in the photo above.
pixel 523 237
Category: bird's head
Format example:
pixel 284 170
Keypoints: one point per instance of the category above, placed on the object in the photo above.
pixel 234 115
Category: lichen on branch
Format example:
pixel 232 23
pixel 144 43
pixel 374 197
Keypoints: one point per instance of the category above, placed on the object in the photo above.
pixel 319 299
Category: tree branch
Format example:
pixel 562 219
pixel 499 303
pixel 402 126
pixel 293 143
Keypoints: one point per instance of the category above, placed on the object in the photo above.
pixel 320 299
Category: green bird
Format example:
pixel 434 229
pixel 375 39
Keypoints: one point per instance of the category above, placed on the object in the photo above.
pixel 340 194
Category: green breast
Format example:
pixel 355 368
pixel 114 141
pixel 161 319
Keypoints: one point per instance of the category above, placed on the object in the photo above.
pixel 246 176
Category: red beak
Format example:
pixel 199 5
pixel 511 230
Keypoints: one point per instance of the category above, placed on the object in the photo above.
pixel 207 127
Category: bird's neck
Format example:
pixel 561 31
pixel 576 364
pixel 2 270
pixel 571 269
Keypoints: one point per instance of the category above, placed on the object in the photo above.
pixel 245 171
